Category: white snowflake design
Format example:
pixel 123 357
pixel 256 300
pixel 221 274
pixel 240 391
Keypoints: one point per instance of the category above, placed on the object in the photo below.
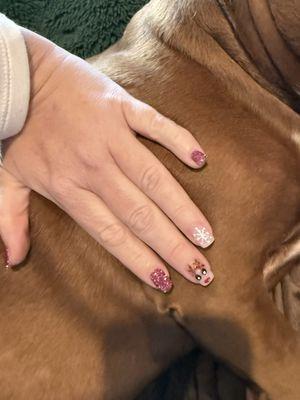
pixel 203 237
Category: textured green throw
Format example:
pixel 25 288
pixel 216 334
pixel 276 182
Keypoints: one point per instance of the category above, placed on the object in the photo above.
pixel 84 27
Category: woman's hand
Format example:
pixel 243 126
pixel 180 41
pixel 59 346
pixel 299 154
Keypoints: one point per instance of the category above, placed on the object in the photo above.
pixel 78 148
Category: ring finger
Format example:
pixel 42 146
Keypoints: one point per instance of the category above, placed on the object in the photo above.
pixel 96 218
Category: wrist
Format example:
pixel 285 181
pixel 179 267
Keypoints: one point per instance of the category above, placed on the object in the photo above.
pixel 37 47
pixel 43 58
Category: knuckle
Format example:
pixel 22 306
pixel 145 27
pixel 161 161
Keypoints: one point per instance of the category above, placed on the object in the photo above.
pixel 140 220
pixel 177 136
pixel 150 179
pixel 157 123
pixel 112 234
pixel 177 250
pixel 179 211
pixel 61 188
pixel 138 258
pixel 89 162
pixel 116 101
pixel 128 105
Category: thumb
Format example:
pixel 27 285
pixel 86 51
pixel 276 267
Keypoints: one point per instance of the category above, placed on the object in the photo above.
pixel 14 226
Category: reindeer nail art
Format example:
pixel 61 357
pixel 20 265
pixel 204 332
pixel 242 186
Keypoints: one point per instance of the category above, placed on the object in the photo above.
pixel 201 273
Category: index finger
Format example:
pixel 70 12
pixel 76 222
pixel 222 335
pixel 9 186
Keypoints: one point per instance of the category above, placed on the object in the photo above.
pixel 148 122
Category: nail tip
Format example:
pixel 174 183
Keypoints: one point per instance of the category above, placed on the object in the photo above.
pixel 168 290
pixel 6 259
pixel 206 245
pixel 210 282
pixel 199 158
pixel 161 280
pixel 203 237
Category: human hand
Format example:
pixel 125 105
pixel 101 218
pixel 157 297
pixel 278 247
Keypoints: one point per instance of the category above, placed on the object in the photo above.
pixel 84 156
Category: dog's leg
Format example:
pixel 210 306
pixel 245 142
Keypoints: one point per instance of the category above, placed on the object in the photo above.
pixel 282 260
pixel 282 277
pixel 240 324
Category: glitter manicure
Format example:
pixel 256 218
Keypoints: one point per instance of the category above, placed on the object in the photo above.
pixel 6 259
pixel 199 158
pixel 203 237
pixel 161 280
pixel 201 272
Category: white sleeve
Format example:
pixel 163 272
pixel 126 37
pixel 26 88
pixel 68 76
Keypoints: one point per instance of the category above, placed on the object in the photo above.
pixel 14 79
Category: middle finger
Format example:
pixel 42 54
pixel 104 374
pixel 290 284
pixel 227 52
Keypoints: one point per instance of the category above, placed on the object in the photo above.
pixel 152 177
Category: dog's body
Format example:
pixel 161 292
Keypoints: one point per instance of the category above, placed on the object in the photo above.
pixel 75 324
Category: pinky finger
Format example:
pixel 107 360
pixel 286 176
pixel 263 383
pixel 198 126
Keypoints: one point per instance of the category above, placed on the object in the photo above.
pixel 146 121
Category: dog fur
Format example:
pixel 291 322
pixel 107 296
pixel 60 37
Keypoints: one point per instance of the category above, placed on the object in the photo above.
pixel 74 323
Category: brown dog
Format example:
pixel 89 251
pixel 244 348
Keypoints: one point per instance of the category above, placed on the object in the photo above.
pixel 74 323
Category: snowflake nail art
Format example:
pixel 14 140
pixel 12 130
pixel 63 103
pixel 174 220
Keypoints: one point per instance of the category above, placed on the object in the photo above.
pixel 203 236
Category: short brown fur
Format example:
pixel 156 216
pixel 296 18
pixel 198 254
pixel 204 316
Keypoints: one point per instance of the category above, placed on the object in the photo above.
pixel 74 323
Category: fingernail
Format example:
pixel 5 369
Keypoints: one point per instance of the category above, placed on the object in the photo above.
pixel 161 280
pixel 201 273
pixel 203 237
pixel 199 158
pixel 6 259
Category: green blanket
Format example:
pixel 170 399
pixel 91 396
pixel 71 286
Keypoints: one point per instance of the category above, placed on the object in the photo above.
pixel 84 27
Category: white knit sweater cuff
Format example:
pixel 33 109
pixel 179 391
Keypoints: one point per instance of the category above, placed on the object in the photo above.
pixel 14 79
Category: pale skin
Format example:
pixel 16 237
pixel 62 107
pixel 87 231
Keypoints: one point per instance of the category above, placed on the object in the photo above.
pixel 79 125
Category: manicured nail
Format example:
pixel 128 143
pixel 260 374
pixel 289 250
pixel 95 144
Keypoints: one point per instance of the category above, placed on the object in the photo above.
pixel 201 273
pixel 6 259
pixel 199 158
pixel 203 237
pixel 161 280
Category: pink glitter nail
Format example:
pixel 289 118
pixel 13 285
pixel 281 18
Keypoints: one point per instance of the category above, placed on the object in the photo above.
pixel 161 280
pixel 6 259
pixel 199 158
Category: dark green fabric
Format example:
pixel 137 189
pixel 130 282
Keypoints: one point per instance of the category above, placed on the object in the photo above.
pixel 84 27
